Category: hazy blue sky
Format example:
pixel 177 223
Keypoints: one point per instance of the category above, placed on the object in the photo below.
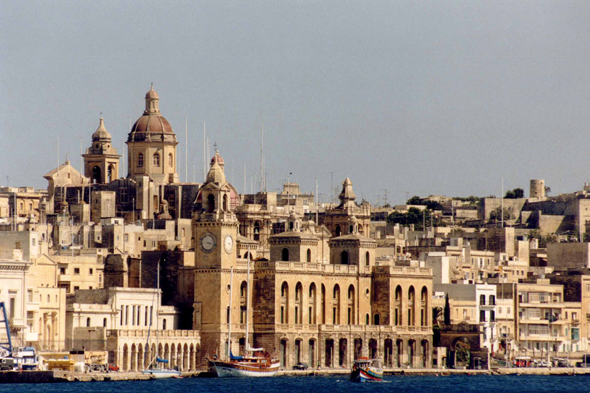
pixel 415 98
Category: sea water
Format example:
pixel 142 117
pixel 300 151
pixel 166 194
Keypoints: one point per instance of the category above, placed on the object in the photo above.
pixel 321 384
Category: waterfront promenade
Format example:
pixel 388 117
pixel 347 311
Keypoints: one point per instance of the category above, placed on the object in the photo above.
pixel 65 376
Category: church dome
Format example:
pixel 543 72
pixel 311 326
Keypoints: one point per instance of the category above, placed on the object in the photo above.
pixel 101 134
pixel 151 126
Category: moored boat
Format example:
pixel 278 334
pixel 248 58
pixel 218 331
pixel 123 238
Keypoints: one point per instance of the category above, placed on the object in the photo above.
pixel 367 370
pixel 160 372
pixel 258 363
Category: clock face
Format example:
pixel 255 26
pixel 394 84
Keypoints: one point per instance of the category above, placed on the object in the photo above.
pixel 208 242
pixel 228 243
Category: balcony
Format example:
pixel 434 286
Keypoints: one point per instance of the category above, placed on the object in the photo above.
pixel 65 278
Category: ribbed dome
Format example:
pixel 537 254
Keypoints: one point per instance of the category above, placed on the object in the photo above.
pixel 152 94
pixel 101 134
pixel 151 126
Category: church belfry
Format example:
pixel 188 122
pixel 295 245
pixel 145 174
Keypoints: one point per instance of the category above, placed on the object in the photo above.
pixel 101 161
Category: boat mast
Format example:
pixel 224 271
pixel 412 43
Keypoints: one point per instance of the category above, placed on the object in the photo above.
pixel 247 300
pixel 231 289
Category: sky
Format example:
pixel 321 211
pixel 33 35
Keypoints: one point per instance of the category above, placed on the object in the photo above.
pixel 405 98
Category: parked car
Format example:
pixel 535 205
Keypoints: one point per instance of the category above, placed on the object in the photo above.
pixel 300 366
pixel 113 367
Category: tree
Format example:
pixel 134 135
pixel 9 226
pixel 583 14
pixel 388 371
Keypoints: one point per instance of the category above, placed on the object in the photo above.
pixel 414 217
pixel 437 313
pixel 514 194
pixel 447 311
pixel 415 200
pixel 496 214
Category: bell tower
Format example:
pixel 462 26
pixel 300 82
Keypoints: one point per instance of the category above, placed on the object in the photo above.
pixel 215 228
pixel 101 161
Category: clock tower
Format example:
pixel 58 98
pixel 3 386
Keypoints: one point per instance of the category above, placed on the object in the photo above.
pixel 215 228
pixel 215 223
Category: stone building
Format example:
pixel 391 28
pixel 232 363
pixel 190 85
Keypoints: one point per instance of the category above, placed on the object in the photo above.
pixel 306 307
pixel 119 320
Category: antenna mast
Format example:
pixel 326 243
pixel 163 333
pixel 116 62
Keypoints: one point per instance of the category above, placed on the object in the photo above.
pixel 186 150
pixel 262 182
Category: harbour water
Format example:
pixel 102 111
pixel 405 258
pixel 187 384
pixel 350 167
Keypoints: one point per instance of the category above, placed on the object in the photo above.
pixel 322 384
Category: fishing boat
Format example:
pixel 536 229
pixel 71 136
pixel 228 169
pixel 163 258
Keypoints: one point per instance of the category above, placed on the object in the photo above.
pixel 157 368
pixel 256 362
pixel 367 370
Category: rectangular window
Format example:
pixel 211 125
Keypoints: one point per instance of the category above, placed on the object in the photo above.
pixel 30 295
pixel 296 315
pixel 349 316
pixel 310 312
pixel 76 288
pixel 282 314
pixel 62 270
pixel 76 270
pixel 91 271
pixel 146 316
pixel 12 307
pixel 122 314
pixel 133 316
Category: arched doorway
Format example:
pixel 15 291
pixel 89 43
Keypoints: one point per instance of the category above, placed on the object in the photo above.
pixel 358 348
pixel 96 174
pixel 283 353
pixel 373 348
pixel 461 353
pixel 342 348
pixel 424 353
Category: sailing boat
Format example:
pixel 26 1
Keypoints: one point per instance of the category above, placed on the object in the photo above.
pixel 257 362
pixel 157 368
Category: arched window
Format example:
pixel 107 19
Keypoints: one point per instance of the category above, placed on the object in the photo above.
pixel 225 203
pixel 367 258
pixel 87 322
pixel 411 298
pixel 285 254
pixel 344 258
pixel 210 203
pixel 367 319
pixel 338 230
pixel 156 159
pixel 140 160
pixel 424 307
pixel 96 174
pixel 398 305
pixel 257 231
pixel 170 160
pixel 308 255
pixel 482 300
pixel 110 173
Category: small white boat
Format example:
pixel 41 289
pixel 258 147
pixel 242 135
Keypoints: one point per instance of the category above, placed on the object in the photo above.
pixel 160 372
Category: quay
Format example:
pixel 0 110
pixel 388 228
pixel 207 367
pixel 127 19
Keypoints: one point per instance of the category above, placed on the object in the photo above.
pixel 66 376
